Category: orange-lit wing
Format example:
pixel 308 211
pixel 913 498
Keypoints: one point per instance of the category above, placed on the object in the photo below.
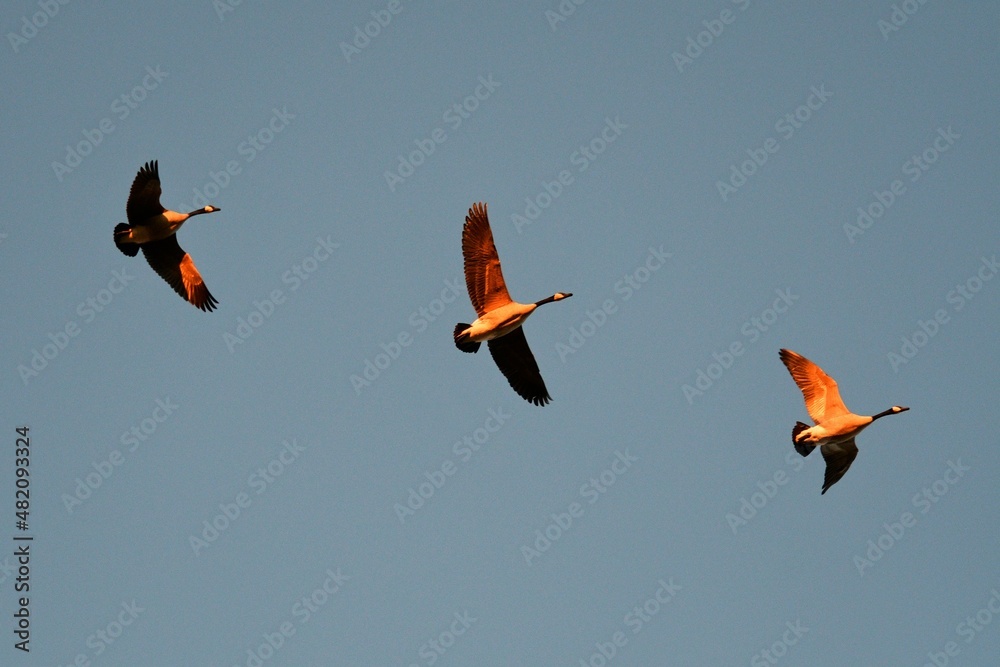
pixel 483 278
pixel 178 269
pixel 820 391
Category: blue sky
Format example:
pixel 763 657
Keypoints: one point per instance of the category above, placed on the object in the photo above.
pixel 712 181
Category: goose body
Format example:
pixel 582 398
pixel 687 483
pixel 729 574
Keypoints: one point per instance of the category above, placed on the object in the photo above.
pixel 499 317
pixel 499 321
pixel 152 229
pixel 835 427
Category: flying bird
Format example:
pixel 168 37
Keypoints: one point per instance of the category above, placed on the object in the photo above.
pixel 500 317
pixel 836 426
pixel 152 229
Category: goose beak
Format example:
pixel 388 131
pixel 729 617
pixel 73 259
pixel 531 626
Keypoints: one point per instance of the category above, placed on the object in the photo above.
pixel 902 408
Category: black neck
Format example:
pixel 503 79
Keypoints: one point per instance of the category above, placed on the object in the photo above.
pixel 545 301
pixel 882 414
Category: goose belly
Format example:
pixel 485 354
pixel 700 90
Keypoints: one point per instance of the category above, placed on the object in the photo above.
pixel 497 323
pixel 156 228
pixel 835 431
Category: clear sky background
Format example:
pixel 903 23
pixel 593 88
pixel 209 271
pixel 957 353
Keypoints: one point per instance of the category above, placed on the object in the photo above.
pixel 646 134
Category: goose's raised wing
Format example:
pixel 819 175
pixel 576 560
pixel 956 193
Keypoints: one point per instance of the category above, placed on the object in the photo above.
pixel 144 197
pixel 820 391
pixel 483 278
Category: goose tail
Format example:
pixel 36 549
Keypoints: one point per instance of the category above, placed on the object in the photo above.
pixel 462 342
pixel 802 448
pixel 122 233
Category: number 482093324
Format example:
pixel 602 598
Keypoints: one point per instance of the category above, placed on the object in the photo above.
pixel 22 461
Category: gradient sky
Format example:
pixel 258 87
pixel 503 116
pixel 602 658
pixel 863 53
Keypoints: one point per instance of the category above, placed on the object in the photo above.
pixel 730 145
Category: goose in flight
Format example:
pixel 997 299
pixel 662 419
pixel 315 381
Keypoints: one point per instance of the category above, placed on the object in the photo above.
pixel 153 229
pixel 500 317
pixel 836 426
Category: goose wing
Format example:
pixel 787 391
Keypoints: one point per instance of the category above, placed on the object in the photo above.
pixel 838 459
pixel 513 356
pixel 819 389
pixel 178 269
pixel 483 278
pixel 144 198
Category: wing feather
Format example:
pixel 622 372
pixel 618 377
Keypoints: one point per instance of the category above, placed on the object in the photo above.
pixel 144 197
pixel 513 356
pixel 176 267
pixel 483 277
pixel 822 396
pixel 838 459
